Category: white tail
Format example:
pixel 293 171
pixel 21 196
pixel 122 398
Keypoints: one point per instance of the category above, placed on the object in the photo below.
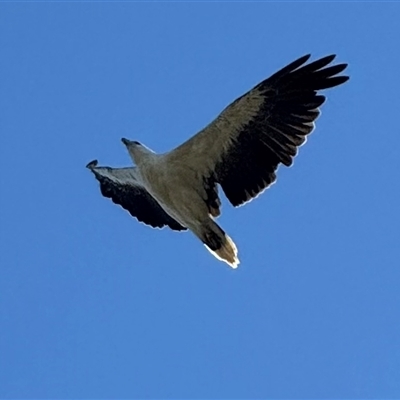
pixel 227 253
pixel 219 243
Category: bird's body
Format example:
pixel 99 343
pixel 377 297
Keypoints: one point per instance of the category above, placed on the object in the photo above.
pixel 240 151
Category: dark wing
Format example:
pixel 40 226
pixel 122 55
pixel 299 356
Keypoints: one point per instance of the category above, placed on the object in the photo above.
pixel 122 187
pixel 243 147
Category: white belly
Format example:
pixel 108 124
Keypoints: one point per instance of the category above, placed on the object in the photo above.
pixel 177 195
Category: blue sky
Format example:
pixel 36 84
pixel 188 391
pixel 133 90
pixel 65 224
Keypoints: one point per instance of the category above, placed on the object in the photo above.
pixel 94 304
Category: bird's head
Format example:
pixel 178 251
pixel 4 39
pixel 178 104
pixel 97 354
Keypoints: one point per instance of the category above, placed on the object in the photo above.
pixel 137 151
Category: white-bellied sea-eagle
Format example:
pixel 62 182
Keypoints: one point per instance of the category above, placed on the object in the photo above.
pixel 239 151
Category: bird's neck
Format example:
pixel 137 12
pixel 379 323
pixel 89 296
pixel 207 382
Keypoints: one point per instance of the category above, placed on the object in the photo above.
pixel 142 156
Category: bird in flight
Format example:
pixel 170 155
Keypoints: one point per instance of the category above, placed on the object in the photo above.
pixel 239 151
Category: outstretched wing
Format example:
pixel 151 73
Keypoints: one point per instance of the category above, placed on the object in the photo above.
pixel 123 187
pixel 243 147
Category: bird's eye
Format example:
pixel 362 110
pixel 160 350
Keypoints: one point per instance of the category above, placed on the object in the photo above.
pixel 134 141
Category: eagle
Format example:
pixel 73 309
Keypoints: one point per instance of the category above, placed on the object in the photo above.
pixel 240 151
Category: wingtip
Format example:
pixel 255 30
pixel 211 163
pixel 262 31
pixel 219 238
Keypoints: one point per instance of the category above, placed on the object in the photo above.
pixel 345 78
pixel 92 164
pixel 329 58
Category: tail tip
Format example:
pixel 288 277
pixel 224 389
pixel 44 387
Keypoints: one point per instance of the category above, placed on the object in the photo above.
pixel 228 253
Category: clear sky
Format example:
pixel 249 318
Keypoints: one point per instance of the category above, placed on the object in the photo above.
pixel 94 304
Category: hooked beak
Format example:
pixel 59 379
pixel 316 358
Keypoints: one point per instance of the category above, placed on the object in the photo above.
pixel 126 142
